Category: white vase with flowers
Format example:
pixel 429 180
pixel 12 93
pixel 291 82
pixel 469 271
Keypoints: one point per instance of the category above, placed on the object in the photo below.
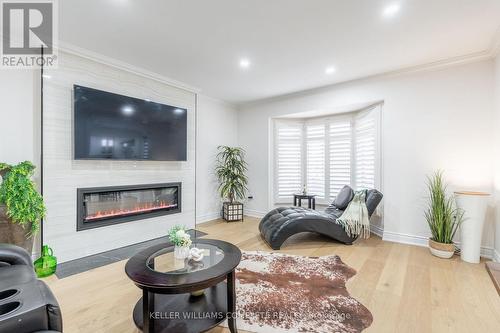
pixel 181 240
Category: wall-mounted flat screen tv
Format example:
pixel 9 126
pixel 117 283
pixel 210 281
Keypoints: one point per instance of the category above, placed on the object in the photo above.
pixel 109 126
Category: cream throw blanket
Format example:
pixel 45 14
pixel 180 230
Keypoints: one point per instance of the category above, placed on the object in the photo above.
pixel 355 218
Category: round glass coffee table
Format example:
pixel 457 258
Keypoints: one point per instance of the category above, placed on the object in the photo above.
pixel 168 287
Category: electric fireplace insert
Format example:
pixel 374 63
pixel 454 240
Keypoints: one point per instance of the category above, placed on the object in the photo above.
pixel 103 206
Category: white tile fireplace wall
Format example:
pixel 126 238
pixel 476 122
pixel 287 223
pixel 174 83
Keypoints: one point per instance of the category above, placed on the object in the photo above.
pixel 63 175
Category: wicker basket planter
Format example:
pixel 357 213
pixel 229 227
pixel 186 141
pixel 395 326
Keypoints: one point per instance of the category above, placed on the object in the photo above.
pixel 441 250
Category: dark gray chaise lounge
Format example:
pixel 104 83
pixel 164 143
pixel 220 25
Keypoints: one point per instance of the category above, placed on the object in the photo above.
pixel 283 222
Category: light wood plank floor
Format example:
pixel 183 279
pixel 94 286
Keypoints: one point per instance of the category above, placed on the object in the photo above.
pixel 405 288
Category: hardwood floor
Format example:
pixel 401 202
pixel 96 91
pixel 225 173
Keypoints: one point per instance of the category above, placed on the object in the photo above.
pixel 405 288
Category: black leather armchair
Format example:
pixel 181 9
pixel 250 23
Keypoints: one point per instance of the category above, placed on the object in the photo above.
pixel 14 255
pixel 26 304
pixel 283 222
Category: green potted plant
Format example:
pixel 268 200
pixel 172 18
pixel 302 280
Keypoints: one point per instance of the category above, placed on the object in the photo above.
pixel 21 206
pixel 181 240
pixel 442 217
pixel 230 170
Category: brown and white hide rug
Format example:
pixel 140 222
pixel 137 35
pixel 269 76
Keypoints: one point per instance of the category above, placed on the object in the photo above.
pixel 284 293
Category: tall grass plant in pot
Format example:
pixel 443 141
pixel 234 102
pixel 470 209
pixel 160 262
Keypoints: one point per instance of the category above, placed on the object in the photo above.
pixel 442 216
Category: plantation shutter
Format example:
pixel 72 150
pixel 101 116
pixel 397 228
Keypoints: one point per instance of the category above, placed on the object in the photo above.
pixel 365 150
pixel 288 160
pixel 315 159
pixel 340 142
pixel 325 154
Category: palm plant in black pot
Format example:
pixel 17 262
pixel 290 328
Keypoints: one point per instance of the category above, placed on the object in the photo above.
pixel 231 172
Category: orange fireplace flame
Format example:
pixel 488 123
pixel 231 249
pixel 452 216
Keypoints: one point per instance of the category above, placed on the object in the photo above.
pixel 139 209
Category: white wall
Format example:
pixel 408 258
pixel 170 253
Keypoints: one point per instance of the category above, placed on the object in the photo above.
pixel 497 158
pixel 217 125
pixel 430 120
pixel 17 125
pixel 19 136
pixel 19 120
pixel 63 175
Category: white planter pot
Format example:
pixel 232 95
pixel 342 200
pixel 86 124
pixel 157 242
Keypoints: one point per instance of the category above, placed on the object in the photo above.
pixel 474 205
pixel 181 252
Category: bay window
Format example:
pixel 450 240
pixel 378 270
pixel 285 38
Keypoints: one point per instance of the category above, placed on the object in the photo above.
pixel 324 154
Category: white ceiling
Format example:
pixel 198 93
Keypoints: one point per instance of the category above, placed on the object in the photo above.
pixel 289 42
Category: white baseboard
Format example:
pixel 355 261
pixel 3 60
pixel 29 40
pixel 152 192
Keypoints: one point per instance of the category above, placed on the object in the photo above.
pixel 397 237
pixel 260 214
pixel 496 255
pixel 207 217
pixel 254 213
pixel 377 230
pixel 389 236
pixel 486 252
pixel 203 218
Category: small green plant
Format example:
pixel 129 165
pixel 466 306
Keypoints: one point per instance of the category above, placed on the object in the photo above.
pixel 18 193
pixel 230 170
pixel 178 236
pixel 442 216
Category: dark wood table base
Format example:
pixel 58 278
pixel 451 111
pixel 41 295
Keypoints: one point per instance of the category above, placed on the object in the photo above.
pixel 311 200
pixel 182 313
pixel 167 304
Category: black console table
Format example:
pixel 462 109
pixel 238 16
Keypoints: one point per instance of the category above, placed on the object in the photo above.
pixel 311 200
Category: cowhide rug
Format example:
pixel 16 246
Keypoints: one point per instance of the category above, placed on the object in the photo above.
pixel 285 293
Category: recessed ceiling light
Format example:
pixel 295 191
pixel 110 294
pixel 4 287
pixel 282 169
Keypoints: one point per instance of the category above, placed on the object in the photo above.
pixel 46 76
pixel 330 70
pixel 244 63
pixel 391 10
pixel 128 110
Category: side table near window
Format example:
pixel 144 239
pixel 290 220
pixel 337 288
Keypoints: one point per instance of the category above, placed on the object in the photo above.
pixel 311 200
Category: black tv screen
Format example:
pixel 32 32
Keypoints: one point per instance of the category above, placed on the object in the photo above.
pixel 116 127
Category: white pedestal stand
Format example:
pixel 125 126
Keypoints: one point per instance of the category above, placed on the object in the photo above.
pixel 474 205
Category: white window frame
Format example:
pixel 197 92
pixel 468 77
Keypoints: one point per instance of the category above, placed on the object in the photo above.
pixel 274 193
pixel 326 120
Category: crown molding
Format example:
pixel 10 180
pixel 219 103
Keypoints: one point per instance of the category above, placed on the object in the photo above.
pixel 112 62
pixel 427 67
pixel 490 53
pixel 440 64
pixel 218 101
